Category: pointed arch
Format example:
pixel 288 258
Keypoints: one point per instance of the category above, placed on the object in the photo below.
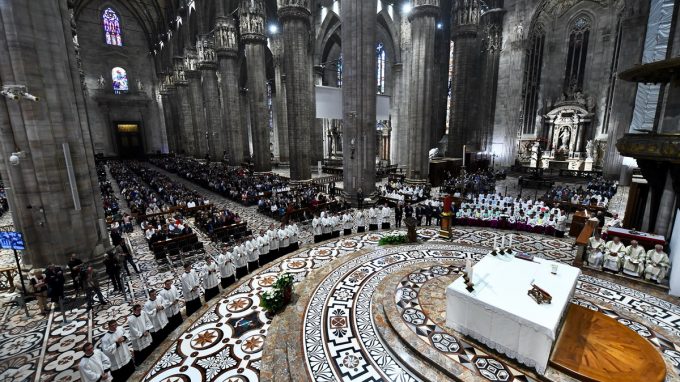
pixel 111 26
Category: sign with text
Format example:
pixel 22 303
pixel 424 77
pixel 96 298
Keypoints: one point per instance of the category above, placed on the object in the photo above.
pixel 12 240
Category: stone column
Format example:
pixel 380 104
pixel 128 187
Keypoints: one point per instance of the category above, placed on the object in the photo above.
pixel 186 131
pixel 211 96
pixel 295 17
pixel 245 123
pixel 465 19
pixel 276 44
pixel 53 191
pixel 358 96
pixel 196 102
pixel 423 20
pixel 251 16
pixel 226 47
pixel 166 94
pixel 319 123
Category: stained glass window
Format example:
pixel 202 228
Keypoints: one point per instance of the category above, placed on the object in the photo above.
pixel 119 80
pixel 380 52
pixel 111 27
pixel 450 82
pixel 270 106
pixel 339 71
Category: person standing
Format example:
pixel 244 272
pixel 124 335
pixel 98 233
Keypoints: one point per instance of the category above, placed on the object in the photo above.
pixel 360 198
pixel 112 265
pixel 126 257
pixel 224 261
pixel 347 223
pixel 398 214
pixel 385 217
pixel 284 240
pixel 91 284
pixel 263 243
pixel 140 335
pixel 114 345
pixel 253 253
pixel 210 280
pixel 170 296
pixel 316 229
pixel 191 289
pixel 95 366
pixel 40 290
pixel 361 221
pixel 155 310
pixel 240 261
pixel 75 268
pixel 55 283
pixel 372 219
pixel 273 242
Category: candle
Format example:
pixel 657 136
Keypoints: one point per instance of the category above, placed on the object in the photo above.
pixel 468 266
pixel 503 242
pixel 463 155
pixel 495 241
pixel 510 244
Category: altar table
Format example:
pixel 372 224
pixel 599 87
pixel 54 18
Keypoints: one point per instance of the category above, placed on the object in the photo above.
pixel 500 314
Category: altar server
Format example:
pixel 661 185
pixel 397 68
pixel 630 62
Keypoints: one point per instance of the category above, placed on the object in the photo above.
pixel 294 232
pixel 634 260
pixel 263 243
pixel 595 251
pixel 372 219
pixel 347 223
pixel 95 366
pixel 210 279
pixel 240 261
pixel 154 308
pixel 253 253
pixel 385 215
pixel 140 333
pixel 170 296
pixel 325 227
pixel 657 264
pixel 224 261
pixel 114 345
pixel 316 229
pixel 361 221
pixel 561 226
pixel 615 250
pixel 284 240
pixel 273 242
pixel 191 289
pixel 337 225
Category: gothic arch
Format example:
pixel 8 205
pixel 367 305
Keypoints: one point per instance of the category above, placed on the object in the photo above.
pixel 329 27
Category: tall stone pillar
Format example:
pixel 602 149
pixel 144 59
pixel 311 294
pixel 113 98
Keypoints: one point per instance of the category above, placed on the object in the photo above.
pixel 295 17
pixel 245 123
pixel 251 16
pixel 186 133
pixel 166 94
pixel 423 20
pixel 276 44
pixel 211 96
pixel 319 123
pixel 491 29
pixel 226 47
pixel 465 18
pixel 358 96
pixel 193 75
pixel 53 192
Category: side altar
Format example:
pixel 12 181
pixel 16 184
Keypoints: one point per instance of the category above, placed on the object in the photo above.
pixel 500 312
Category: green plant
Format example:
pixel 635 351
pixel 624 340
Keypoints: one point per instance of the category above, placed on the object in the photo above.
pixel 393 240
pixel 284 281
pixel 272 301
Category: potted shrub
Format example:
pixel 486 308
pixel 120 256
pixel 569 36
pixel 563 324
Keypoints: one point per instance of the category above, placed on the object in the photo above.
pixel 393 240
pixel 285 285
pixel 272 301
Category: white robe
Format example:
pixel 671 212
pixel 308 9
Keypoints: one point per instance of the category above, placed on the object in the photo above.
pixel 158 317
pixel 225 262
pixel 252 250
pixel 263 242
pixel 325 225
pixel 170 300
pixel 294 232
pixel 273 240
pixel 190 286
pixel 360 219
pixel 337 224
pixel 372 216
pixel 211 279
pixel 385 214
pixel 240 258
pixel 284 240
pixel 119 354
pixel 657 265
pixel 613 256
pixel 634 261
pixel 347 221
pixel 138 326
pixel 316 226
pixel 595 252
pixel 91 368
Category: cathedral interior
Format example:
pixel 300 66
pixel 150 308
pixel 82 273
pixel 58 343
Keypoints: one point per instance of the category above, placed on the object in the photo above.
pixel 339 190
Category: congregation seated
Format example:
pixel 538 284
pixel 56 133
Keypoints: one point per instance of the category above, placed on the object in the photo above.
pixel 160 229
pixel 280 204
pixel 109 199
pixel 480 181
pixel 581 196
pixel 604 187
pixel 210 220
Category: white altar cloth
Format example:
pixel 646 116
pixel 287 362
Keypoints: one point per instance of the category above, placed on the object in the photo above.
pixel 500 313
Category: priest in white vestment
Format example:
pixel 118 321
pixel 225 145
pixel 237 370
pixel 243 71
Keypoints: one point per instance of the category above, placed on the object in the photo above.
pixel 595 251
pixel 191 289
pixel 140 328
pixel 360 220
pixel 95 366
pixel 634 261
pixel 385 214
pixel 284 241
pixel 263 243
pixel 170 296
pixel 372 219
pixel 615 250
pixel 657 264
pixel 210 279
pixel 114 345
pixel 347 223
pixel 274 242
pixel 253 253
pixel 316 229
pixel 240 261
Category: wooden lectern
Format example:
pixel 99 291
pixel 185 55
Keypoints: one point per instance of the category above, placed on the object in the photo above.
pixel 446 219
pixel 577 223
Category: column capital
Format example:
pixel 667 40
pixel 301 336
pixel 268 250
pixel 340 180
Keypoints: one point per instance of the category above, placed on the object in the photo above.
pixel 294 10
pixel 423 8
pixel 226 42
pixel 251 16
pixel 465 12
pixel 319 69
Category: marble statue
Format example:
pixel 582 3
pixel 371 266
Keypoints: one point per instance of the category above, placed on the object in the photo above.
pixel 101 81
pixel 589 149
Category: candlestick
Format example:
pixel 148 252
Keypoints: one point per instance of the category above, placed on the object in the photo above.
pixel 463 155
pixel 495 241
pixel 503 242
pixel 468 266
pixel 510 244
